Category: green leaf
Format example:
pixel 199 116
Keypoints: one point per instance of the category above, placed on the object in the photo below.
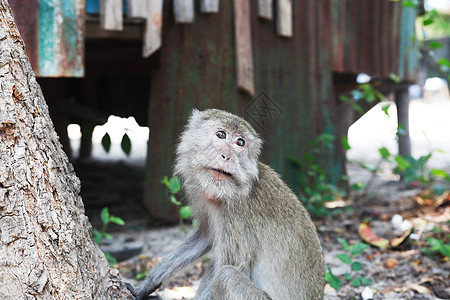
pixel 435 244
pixel 357 266
pixel 356 282
pixel 174 200
pixel 444 62
pixel 326 138
pixel 185 212
pixel 344 244
pixel 358 109
pixel 141 275
pixel 438 173
pixel 445 250
pixel 426 22
pixel 395 78
pixel 434 45
pixel 359 248
pixel 105 216
pixel 108 236
pixel 117 220
pixel 165 181
pixel 111 259
pixel 402 163
pixel 97 236
pixel 358 186
pixel 174 185
pixel 344 258
pixel 408 3
pixel 345 143
pixel 125 144
pixel 345 99
pixel 365 281
pixel 361 280
pixel 106 142
pixel 384 152
pixel 385 109
pixel 334 281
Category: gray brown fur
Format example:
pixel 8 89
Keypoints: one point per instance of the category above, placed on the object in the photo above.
pixel 262 240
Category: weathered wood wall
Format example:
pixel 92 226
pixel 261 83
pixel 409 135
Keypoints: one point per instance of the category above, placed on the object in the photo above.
pixel 374 37
pixel 53 32
pixel 197 69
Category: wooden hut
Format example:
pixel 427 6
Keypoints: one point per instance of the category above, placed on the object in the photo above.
pixel 272 62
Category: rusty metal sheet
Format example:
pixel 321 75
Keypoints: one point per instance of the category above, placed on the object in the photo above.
pixel 26 17
pixel 53 32
pixel 373 37
pixel 293 100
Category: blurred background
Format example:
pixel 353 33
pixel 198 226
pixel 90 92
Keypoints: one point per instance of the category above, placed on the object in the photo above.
pixel 326 83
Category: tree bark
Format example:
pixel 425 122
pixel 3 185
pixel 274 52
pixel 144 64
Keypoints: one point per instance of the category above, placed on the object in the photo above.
pixel 46 246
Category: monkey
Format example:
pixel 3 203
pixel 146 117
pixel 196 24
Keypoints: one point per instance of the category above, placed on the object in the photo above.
pixel 263 242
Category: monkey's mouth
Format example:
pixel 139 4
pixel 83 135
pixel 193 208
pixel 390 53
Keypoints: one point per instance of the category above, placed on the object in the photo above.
pixel 219 173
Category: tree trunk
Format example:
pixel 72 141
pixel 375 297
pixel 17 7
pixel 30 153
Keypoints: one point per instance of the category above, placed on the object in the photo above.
pixel 46 246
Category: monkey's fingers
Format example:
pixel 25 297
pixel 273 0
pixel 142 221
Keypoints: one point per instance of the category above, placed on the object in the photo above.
pixel 144 293
pixel 132 289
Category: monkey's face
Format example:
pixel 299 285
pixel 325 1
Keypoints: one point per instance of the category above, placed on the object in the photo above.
pixel 218 155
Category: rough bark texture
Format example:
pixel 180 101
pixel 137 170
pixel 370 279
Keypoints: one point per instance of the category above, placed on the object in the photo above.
pixel 46 249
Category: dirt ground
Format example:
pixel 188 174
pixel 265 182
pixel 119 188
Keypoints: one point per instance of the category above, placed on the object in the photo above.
pixel 401 273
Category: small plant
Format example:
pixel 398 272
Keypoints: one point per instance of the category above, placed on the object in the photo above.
pixel 437 246
pixel 355 266
pixel 410 170
pixel 98 236
pixel 315 190
pixel 174 187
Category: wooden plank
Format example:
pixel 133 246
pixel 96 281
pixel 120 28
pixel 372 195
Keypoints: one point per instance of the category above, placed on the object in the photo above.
pixel 111 17
pixel 209 6
pixel 153 25
pixel 137 8
pixel 184 11
pixel 243 44
pixel 284 18
pixel 265 9
pixel 26 17
pixel 61 39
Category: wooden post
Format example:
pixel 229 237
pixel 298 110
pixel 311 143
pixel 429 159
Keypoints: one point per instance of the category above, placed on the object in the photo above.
pixel 402 102
pixel 152 33
pixel 243 44
pixel 184 11
pixel 137 8
pixel 265 9
pixel 209 6
pixel 284 18
pixel 111 17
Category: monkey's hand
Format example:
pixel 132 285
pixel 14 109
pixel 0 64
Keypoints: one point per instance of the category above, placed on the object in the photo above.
pixel 146 289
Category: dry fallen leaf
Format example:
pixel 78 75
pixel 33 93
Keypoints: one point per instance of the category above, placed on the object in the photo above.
pixel 390 263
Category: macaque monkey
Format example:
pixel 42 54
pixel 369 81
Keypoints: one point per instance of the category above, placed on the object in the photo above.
pixel 262 240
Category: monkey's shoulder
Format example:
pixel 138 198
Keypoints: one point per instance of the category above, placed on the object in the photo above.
pixel 272 188
pixel 269 177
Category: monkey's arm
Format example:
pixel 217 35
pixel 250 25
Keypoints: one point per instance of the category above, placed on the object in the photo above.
pixel 191 250
pixel 231 284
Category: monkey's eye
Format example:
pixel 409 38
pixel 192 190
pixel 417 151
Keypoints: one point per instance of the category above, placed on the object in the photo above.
pixel 221 134
pixel 240 142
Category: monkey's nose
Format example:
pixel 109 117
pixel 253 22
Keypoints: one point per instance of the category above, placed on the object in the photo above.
pixel 225 157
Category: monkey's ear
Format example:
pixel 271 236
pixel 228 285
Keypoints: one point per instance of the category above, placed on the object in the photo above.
pixel 194 112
